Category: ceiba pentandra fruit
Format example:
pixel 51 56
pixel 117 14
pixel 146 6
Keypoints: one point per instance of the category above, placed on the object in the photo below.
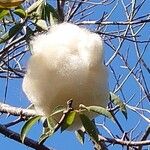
pixel 66 63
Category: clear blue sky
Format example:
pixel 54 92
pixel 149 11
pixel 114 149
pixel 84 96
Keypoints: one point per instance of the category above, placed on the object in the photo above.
pixel 67 140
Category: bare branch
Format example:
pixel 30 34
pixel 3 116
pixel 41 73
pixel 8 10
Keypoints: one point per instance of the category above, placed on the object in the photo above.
pixel 5 108
pixel 123 142
pixel 113 23
pixel 15 136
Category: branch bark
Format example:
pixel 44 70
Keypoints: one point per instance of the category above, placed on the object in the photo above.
pixel 15 136
pixel 5 108
pixel 15 111
pixel 114 23
pixel 123 142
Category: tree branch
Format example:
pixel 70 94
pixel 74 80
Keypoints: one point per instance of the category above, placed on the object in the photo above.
pixel 123 142
pixel 113 22
pixel 5 108
pixel 15 136
pixel 145 136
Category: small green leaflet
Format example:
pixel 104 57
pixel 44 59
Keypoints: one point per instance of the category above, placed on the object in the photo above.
pixel 51 123
pixel 52 10
pixel 80 135
pixel 99 110
pixel 3 13
pixel 117 101
pixel 90 127
pixel 20 12
pixel 27 126
pixel 48 129
pixel 44 136
pixel 51 14
pixel 68 120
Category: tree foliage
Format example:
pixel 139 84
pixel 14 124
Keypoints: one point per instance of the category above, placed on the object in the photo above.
pixel 124 27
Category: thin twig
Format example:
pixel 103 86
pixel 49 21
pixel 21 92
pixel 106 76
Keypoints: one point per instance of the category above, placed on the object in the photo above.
pixel 123 142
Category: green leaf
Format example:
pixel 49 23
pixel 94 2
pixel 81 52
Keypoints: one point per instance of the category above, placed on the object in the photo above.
pixel 42 24
pixel 20 12
pixel 51 14
pixel 99 110
pixel 43 137
pixel 12 31
pixel 3 13
pixel 27 126
pixel 52 10
pixel 51 123
pixel 48 129
pixel 57 110
pixel 68 121
pixel 117 101
pixel 80 135
pixel 90 127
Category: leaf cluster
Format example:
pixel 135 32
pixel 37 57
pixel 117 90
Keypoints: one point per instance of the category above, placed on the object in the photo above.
pixel 34 18
pixel 50 126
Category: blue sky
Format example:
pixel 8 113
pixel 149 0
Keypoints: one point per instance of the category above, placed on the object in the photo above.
pixel 67 140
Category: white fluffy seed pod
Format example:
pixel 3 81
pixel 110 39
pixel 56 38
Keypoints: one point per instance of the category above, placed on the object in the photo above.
pixel 66 64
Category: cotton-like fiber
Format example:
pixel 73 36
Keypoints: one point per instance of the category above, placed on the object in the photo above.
pixel 66 63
